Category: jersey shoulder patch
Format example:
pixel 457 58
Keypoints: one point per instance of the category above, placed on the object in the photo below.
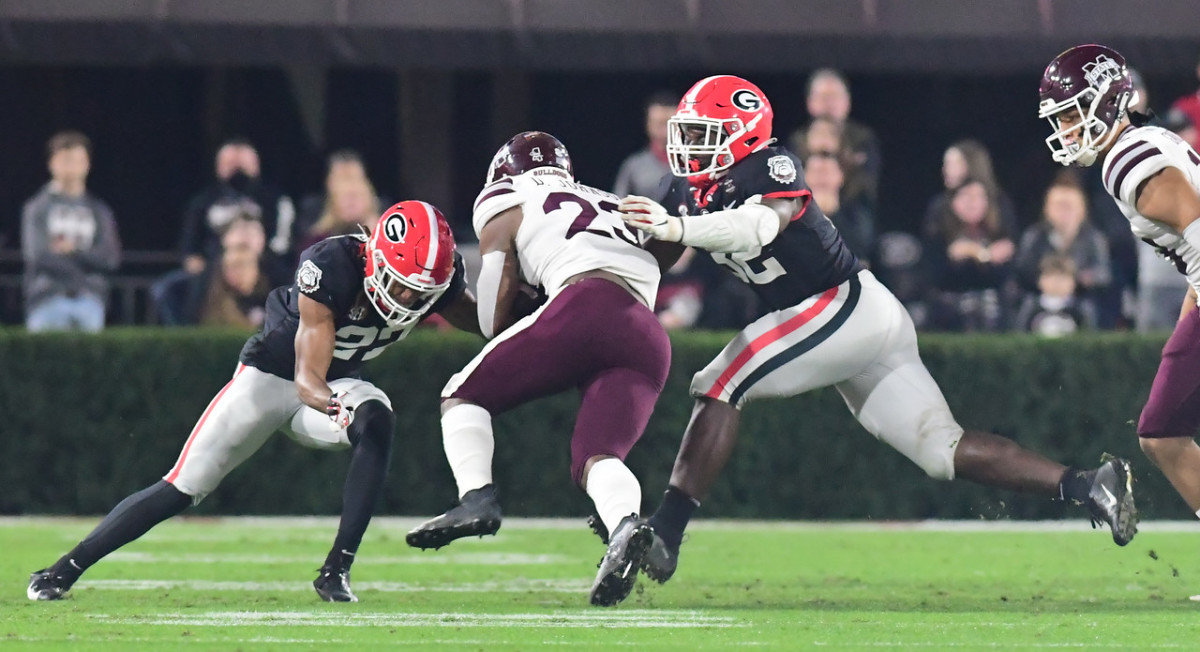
pixel 771 172
pixel 495 198
pixel 308 277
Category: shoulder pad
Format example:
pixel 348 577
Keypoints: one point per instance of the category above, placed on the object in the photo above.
pixel 495 198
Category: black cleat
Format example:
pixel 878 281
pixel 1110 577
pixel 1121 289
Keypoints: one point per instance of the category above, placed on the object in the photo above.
pixel 661 560
pixel 1110 500
pixel 598 528
pixel 477 514
pixel 619 567
pixel 45 585
pixel 333 585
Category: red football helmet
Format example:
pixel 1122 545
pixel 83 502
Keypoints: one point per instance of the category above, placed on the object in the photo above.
pixel 1092 80
pixel 410 262
pixel 720 121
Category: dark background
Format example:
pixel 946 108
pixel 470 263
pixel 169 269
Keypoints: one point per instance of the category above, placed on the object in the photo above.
pixel 155 129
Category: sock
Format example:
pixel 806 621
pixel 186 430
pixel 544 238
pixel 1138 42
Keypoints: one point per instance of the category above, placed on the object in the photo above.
pixel 130 519
pixel 371 432
pixel 672 516
pixel 467 438
pixel 615 491
pixel 1075 485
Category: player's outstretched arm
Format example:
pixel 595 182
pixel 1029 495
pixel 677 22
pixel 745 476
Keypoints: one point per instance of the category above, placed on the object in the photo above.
pixel 755 223
pixel 499 277
pixel 315 338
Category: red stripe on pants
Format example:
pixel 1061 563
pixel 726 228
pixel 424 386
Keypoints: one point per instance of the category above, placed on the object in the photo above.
pixel 770 337
pixel 187 446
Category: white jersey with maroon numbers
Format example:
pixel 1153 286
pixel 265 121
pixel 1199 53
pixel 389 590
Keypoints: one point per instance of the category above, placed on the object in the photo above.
pixel 1138 154
pixel 568 228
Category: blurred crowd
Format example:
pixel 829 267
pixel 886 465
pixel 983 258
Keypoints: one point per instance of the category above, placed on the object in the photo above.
pixel 973 264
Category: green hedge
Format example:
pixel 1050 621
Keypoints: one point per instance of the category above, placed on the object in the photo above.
pixel 89 419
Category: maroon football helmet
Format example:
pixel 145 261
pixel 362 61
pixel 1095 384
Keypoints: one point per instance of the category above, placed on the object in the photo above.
pixel 1092 80
pixel 529 150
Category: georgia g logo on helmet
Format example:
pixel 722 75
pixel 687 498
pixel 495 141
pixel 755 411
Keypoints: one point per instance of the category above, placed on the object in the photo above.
pixel 746 100
pixel 395 227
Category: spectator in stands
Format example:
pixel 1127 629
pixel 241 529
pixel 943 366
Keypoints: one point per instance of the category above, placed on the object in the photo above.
pixel 964 159
pixel 350 205
pixel 643 171
pixel 1056 309
pixel 820 136
pixel 69 243
pixel 237 183
pixel 1066 230
pixel 823 172
pixel 1185 112
pixel 828 97
pixel 237 294
pixel 970 258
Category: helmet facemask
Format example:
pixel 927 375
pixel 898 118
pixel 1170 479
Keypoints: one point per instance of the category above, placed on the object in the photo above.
pixel 1093 133
pixel 703 156
pixel 384 284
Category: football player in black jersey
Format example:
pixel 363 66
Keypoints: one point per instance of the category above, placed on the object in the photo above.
pixel 352 297
pixel 744 200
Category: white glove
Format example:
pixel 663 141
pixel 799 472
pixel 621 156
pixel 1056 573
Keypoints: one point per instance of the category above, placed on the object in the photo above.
pixel 651 218
pixel 340 414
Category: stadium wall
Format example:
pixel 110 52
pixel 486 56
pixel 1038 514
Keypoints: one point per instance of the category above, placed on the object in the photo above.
pixel 89 419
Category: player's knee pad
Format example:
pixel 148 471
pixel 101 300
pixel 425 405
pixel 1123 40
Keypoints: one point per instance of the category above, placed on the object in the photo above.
pixel 374 424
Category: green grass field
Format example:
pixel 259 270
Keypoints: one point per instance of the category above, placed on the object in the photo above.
pixel 225 584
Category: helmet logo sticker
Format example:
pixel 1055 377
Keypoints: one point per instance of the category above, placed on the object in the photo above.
pixel 395 227
pixel 781 169
pixel 308 277
pixel 536 154
pixel 746 100
pixel 1101 70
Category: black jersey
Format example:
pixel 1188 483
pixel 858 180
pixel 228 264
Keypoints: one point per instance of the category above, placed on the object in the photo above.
pixel 807 258
pixel 331 272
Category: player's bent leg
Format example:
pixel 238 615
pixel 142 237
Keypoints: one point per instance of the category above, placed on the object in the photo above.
pixel 467 437
pixel 129 520
pixel 1171 416
pixel 1179 460
pixel 371 434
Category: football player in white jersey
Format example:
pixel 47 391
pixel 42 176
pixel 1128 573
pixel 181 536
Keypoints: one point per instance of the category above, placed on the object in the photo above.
pixel 597 333
pixel 1154 176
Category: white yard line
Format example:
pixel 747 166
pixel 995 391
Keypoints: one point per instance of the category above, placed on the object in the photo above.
pixel 559 619
pixel 467 559
pixel 507 586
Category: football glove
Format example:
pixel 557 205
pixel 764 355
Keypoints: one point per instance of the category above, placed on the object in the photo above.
pixel 650 217
pixel 340 414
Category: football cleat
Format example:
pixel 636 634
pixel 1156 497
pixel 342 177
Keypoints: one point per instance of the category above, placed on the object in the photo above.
pixel 661 560
pixel 619 567
pixel 333 585
pixel 476 514
pixel 45 585
pixel 1110 500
